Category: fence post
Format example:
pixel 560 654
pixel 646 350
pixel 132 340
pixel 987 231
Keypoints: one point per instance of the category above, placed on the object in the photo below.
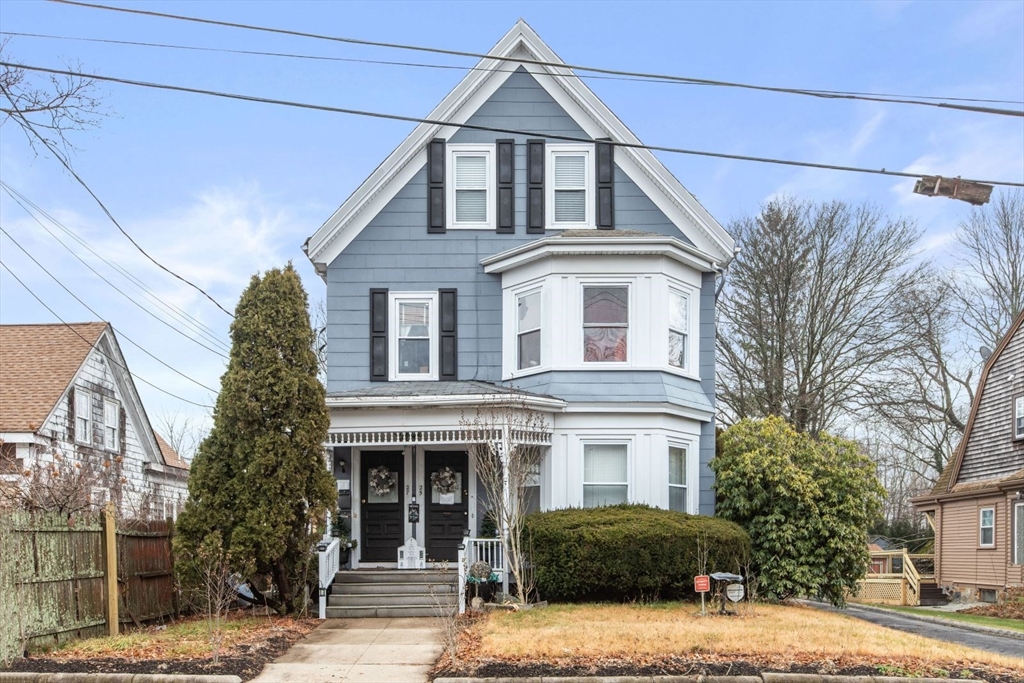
pixel 110 537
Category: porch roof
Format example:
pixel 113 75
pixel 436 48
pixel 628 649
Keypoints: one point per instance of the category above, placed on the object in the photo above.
pixel 439 394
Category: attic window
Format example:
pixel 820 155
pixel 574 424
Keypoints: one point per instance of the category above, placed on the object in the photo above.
pixel 570 176
pixel 471 179
pixel 111 424
pixel 1018 417
pixel 83 416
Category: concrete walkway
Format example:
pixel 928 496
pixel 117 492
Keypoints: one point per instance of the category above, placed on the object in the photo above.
pixel 359 651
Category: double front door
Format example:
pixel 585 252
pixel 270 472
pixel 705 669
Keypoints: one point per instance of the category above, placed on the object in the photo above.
pixel 444 482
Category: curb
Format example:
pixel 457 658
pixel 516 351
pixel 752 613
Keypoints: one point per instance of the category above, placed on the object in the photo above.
pixel 33 677
pixel 767 677
pixel 979 628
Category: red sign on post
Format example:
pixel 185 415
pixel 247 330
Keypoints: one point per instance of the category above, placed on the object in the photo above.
pixel 702 584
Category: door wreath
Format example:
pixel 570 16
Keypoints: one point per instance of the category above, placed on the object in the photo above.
pixel 443 481
pixel 382 480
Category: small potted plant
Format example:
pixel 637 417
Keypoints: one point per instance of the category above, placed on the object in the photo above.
pixel 341 529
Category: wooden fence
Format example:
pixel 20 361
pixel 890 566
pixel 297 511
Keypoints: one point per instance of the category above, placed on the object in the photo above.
pixel 57 577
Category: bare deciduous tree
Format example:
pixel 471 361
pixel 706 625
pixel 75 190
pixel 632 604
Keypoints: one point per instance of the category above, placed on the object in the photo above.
pixel 806 315
pixel 507 455
pixel 53 106
pixel 184 433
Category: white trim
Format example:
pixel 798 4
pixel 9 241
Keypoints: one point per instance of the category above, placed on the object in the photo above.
pixel 551 150
pixel 543 403
pixel 461 149
pixel 395 299
pixel 558 245
pixel 642 167
pixel 982 527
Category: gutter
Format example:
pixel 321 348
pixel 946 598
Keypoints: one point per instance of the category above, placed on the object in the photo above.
pixel 452 401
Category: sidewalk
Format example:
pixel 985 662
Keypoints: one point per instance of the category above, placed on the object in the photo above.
pixel 359 651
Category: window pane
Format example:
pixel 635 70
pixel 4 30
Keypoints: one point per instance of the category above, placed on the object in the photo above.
pixel 677 312
pixel 677 466
pixel 604 463
pixel 677 349
pixel 529 350
pixel 677 498
pixel 529 311
pixel 987 517
pixel 413 356
pixel 414 319
pixel 470 206
pixel 570 206
pixel 570 170
pixel 987 536
pixel 470 171
pixel 531 498
pixel 603 305
pixel 604 345
pixel 596 496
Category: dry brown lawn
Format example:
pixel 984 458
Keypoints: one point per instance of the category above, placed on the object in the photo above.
pixel 639 632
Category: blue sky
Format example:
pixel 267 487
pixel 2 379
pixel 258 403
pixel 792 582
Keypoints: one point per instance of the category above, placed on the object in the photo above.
pixel 218 190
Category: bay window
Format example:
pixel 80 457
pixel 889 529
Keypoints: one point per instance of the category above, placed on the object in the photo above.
pixel 605 480
pixel 605 324
pixel 678 329
pixel 528 330
pixel 677 478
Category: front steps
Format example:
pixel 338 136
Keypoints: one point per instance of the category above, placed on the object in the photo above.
pixel 932 595
pixel 392 593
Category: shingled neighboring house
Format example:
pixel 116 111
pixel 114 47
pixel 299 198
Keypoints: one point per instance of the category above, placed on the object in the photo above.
pixel 65 391
pixel 977 505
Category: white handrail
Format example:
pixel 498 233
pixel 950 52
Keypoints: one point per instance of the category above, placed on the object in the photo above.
pixel 328 568
pixel 461 588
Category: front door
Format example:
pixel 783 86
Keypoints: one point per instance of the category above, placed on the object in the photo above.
pixel 447 508
pixel 381 509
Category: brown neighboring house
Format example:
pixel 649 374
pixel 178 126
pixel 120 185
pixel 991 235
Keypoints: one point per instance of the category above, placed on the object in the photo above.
pixel 977 505
pixel 66 394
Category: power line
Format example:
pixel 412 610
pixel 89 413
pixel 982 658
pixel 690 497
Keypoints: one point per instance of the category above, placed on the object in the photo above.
pixel 60 157
pixel 478 55
pixel 94 346
pixel 196 325
pixel 111 284
pixel 452 67
pixel 492 129
pixel 100 317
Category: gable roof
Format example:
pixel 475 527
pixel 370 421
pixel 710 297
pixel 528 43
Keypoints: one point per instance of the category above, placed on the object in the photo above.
pixel 947 479
pixel 592 115
pixel 37 363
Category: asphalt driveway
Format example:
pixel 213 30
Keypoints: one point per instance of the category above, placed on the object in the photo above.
pixel 991 642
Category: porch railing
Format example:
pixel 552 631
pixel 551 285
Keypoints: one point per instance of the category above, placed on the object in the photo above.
pixel 896 588
pixel 475 550
pixel 328 568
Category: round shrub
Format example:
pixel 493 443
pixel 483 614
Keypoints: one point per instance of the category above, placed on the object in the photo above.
pixel 628 552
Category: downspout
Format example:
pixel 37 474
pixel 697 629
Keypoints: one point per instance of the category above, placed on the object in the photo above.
pixel 722 270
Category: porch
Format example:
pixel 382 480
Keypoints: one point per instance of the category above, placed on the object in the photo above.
pixel 897 577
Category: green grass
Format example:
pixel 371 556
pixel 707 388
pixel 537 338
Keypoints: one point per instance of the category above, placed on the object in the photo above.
pixel 994 622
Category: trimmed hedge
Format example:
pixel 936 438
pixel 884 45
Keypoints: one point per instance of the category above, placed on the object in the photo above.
pixel 627 552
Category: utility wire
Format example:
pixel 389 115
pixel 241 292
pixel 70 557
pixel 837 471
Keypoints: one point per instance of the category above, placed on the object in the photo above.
pixel 60 157
pixel 100 317
pixel 452 67
pixel 111 284
pixel 478 55
pixel 493 129
pixel 196 325
pixel 93 345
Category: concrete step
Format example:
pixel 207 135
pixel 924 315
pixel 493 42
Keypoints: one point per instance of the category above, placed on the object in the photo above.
pixel 933 602
pixel 390 600
pixel 396 576
pixel 377 588
pixel 393 612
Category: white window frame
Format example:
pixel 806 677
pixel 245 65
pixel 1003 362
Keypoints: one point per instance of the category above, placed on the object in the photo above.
pixel 687 365
pixel 83 435
pixel 394 299
pixel 453 152
pixel 982 527
pixel 630 308
pixel 516 296
pixel 1018 414
pixel 686 474
pixel 551 151
pixel 1018 522
pixel 628 444
pixel 112 444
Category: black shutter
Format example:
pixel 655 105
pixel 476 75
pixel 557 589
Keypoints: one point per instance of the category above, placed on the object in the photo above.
pixel 378 335
pixel 506 186
pixel 435 186
pixel 449 334
pixel 605 185
pixel 535 186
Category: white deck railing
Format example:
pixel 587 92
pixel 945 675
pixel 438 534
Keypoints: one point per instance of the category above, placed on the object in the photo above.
pixel 480 550
pixel 328 568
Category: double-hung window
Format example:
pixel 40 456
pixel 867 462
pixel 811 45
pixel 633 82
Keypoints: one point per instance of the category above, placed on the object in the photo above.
pixel 987 528
pixel 677 478
pixel 471 177
pixel 605 479
pixel 678 329
pixel 111 424
pixel 570 176
pixel 528 330
pixel 605 324
pixel 414 342
pixel 1018 417
pixel 83 416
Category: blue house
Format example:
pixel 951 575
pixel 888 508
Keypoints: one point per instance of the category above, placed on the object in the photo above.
pixel 490 259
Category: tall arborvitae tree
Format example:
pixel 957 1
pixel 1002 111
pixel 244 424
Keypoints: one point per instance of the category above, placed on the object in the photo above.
pixel 260 478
